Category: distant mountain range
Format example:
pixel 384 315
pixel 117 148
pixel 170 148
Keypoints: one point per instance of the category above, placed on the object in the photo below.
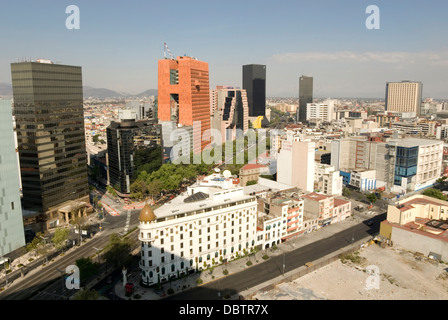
pixel 99 93
pixel 102 93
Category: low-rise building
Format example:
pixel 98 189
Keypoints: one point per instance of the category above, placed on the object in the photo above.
pixel 418 223
pixel 363 180
pixel 251 172
pixel 327 179
pixel 342 210
pixel 326 209
pixel 319 206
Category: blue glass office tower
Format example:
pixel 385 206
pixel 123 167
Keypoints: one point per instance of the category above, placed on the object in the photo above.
pixel 12 235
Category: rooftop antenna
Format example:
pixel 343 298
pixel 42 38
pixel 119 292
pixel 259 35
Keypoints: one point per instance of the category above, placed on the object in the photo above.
pixel 165 50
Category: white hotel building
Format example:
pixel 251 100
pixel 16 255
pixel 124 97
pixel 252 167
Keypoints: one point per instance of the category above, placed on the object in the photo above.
pixel 211 223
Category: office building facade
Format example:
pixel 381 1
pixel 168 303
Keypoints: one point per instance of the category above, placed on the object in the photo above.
pixel 48 108
pixel 254 82
pixel 295 163
pixel 229 112
pixel 12 234
pixel 305 97
pixel 405 96
pixel 130 143
pixel 184 97
pixel 401 165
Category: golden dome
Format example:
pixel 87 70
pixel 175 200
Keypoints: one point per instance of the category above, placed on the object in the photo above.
pixel 147 214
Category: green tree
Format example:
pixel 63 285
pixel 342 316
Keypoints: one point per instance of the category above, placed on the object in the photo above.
pixel 371 197
pixel 251 182
pixel 118 252
pixel 60 237
pixel 86 295
pixel 441 179
pixel 35 243
pixel 154 188
pixel 434 193
pixel 87 268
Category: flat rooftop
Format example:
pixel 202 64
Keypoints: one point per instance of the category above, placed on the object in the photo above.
pixel 216 197
pixel 413 142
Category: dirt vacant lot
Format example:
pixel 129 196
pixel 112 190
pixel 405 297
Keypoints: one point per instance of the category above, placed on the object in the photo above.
pixel 396 275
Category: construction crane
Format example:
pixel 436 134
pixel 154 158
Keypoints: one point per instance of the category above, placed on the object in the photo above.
pixel 166 49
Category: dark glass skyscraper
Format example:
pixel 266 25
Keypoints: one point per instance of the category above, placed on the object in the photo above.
pixel 48 108
pixel 254 82
pixel 305 96
pixel 130 145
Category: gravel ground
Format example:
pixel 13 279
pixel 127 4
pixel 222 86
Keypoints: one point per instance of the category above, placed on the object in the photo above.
pixel 397 275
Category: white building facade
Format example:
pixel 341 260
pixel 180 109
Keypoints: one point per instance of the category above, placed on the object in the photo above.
pixel 327 179
pixel 295 163
pixel 205 227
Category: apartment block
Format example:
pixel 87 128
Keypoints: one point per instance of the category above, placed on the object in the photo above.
pixel 405 96
pixel 327 179
pixel 295 163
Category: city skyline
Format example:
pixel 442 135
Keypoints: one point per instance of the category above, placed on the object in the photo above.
pixel 118 44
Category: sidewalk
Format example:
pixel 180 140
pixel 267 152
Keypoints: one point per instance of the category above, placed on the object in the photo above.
pixel 141 293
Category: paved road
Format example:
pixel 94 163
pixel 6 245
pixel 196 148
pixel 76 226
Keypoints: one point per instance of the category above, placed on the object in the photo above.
pixel 38 280
pixel 273 267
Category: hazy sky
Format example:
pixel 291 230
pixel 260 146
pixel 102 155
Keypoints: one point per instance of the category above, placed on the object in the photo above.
pixel 119 42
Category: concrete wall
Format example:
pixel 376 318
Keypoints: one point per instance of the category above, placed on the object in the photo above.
pixel 419 243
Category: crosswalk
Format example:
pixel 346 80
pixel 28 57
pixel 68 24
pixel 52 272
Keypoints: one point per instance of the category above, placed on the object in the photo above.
pixel 109 209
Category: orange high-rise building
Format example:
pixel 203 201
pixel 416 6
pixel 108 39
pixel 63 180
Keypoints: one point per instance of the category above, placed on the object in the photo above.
pixel 184 96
